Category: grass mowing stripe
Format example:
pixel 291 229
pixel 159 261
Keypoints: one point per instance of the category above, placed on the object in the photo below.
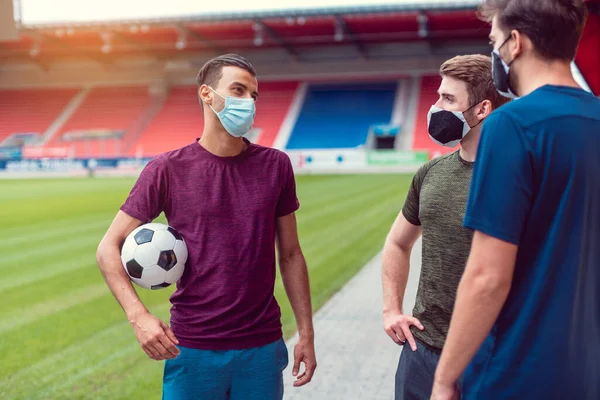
pixel 64 222
pixel 124 381
pixel 345 265
pixel 313 217
pixel 96 347
pixel 68 381
pixel 333 192
pixel 35 236
pixel 49 290
pixel 312 196
pixel 335 233
pixel 344 209
pixel 50 251
pixel 328 238
pixel 67 187
pixel 379 220
pixel 352 237
pixel 42 309
pixel 48 271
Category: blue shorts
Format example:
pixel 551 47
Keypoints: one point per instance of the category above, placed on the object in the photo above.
pixel 248 374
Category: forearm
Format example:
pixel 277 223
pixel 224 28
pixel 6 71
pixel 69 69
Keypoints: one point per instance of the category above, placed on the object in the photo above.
pixel 395 269
pixel 478 304
pixel 109 261
pixel 294 274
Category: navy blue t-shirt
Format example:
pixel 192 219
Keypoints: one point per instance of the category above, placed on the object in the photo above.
pixel 536 184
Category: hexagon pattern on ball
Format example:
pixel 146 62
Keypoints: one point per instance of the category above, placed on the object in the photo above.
pixel 155 226
pixel 152 276
pixel 160 286
pixel 181 251
pixel 128 250
pixel 176 234
pixel 146 255
pixel 175 273
pixel 167 260
pixel 144 236
pixel 156 255
pixel 163 240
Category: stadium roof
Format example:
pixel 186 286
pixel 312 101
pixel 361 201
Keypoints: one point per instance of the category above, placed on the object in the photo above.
pixel 41 13
pixel 302 32
pixel 293 31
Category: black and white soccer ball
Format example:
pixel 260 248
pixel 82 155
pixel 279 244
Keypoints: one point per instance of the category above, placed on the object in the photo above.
pixel 154 256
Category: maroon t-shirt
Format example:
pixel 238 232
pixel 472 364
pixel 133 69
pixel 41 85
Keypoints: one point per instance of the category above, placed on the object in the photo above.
pixel 226 210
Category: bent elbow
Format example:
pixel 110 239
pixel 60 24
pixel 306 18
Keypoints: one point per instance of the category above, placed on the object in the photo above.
pixel 491 286
pixel 100 253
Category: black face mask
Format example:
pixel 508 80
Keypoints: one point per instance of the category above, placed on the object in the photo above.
pixel 448 128
pixel 501 73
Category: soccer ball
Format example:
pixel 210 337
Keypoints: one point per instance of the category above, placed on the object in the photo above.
pixel 154 256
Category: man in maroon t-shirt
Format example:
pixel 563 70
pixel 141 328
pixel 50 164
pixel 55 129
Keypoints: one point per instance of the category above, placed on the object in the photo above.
pixel 230 199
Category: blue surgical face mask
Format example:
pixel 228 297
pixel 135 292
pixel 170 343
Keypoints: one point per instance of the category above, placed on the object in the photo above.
pixel 238 115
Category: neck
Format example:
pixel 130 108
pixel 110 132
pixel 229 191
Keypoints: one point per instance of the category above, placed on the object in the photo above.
pixel 468 146
pixel 540 73
pixel 219 142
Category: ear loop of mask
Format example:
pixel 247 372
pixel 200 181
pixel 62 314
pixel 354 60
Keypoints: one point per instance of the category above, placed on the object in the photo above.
pixel 501 46
pixel 217 93
pixel 477 124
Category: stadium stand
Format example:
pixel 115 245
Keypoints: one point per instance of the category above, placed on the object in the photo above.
pixel 178 123
pixel 339 116
pixel 348 45
pixel 105 108
pixel 272 107
pixel 31 110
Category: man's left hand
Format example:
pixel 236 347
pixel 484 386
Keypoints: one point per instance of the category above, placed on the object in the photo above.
pixel 304 352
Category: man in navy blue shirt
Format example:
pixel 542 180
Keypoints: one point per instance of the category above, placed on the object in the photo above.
pixel 526 320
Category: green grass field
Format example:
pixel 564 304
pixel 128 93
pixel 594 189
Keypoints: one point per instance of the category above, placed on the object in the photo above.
pixel 63 336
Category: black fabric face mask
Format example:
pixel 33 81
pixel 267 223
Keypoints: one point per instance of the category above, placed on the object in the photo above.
pixel 501 73
pixel 447 128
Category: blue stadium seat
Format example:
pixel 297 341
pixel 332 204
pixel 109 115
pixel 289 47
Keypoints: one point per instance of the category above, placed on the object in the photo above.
pixel 339 116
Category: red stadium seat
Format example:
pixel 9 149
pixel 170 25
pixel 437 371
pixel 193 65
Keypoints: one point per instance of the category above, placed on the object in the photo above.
pixel 110 108
pixel 31 110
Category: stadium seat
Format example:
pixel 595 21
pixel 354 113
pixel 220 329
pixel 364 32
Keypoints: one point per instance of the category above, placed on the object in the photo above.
pixel 339 116
pixel 108 108
pixel 178 123
pixel 272 107
pixel 31 110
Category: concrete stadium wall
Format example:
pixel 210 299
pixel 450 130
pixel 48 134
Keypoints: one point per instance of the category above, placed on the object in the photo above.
pixel 308 161
pixel 353 161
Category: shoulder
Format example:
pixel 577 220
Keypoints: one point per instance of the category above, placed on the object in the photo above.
pixel 527 112
pixel 177 156
pixel 508 114
pixel 431 165
pixel 270 153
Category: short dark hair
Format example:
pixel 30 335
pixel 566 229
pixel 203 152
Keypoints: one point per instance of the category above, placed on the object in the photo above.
pixel 212 71
pixel 476 71
pixel 554 26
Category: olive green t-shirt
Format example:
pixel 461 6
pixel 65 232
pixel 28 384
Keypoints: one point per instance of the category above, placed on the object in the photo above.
pixel 437 200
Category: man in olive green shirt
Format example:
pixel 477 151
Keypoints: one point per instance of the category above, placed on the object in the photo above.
pixel 435 208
